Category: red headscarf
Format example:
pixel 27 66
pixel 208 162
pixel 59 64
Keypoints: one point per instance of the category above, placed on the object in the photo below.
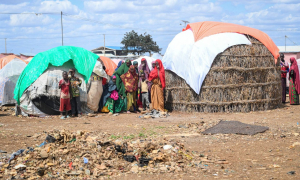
pixel 296 79
pixel 130 79
pixel 154 74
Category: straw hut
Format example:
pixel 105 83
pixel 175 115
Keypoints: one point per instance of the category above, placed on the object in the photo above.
pixel 242 78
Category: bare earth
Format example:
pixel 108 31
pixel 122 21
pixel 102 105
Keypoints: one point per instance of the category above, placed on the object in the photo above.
pixel 268 155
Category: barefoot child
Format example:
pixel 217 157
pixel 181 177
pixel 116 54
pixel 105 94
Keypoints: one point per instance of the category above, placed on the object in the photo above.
pixel 65 104
pixel 144 92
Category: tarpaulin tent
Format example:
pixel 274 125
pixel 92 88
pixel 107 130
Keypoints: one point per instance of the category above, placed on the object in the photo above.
pixel 221 67
pixel 116 61
pixel 38 84
pixel 5 60
pixel 109 64
pixel 9 75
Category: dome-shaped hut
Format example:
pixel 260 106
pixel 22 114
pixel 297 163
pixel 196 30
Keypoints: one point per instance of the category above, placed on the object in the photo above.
pixel 237 76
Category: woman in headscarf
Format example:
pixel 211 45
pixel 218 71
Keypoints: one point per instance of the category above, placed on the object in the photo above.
pixel 294 88
pixel 119 65
pixel 113 102
pixel 153 65
pixel 130 81
pixel 146 70
pixel 157 76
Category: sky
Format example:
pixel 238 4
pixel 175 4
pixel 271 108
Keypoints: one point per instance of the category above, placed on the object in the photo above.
pixel 33 26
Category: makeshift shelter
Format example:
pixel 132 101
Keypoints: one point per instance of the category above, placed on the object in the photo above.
pixel 226 70
pixel 149 60
pixel 116 61
pixel 37 86
pixel 5 60
pixel 9 75
pixel 109 65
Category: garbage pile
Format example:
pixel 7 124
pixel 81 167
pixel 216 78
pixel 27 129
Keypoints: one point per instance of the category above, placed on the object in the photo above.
pixel 82 154
pixel 154 114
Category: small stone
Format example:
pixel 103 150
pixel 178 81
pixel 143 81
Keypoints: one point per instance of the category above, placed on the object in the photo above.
pixel 155 151
pixel 134 169
pixel 87 172
pixel 20 167
pixel 163 168
pixel 44 154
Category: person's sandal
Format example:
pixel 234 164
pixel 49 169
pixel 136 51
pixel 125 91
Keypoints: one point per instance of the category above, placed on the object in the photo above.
pixel 63 117
pixel 128 112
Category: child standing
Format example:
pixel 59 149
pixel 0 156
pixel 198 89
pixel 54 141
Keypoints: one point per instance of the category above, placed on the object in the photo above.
pixel 65 104
pixel 144 92
pixel 75 100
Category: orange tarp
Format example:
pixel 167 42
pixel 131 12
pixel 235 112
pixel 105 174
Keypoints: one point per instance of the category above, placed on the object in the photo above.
pixel 5 60
pixel 207 28
pixel 109 64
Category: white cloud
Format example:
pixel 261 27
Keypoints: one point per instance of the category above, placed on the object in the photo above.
pixel 29 20
pixel 57 6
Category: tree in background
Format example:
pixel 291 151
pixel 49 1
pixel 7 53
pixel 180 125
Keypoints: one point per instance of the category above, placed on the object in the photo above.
pixel 139 44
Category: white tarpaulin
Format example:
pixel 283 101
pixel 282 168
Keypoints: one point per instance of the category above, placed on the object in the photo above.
pixel 9 75
pixel 192 60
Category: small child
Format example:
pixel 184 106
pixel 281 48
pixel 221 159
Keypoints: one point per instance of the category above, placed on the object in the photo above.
pixel 114 103
pixel 65 104
pixel 144 92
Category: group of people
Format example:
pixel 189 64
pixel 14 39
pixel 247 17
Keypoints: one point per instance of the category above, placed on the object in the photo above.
pixel 294 80
pixel 130 87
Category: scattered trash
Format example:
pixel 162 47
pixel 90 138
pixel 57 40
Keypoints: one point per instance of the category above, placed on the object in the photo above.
pixel 291 173
pixel 86 154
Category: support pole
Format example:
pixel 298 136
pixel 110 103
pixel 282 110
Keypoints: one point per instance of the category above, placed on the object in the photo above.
pixel 62 30
pixel 5 46
pixel 104 44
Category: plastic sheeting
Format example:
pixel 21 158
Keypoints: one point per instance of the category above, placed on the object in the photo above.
pixel 192 60
pixel 116 61
pixel 46 87
pixel 109 64
pixel 208 28
pixel 5 60
pixel 13 69
pixel 9 75
pixel 99 71
pixel 95 91
pixel 149 60
pixel 83 60
pixel 6 91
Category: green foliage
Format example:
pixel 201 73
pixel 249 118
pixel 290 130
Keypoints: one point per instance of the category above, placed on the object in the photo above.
pixel 114 137
pixel 139 44
pixel 129 137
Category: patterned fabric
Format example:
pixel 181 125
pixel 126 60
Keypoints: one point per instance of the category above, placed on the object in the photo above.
pixel 130 80
pixel 157 95
pixel 115 106
pixel 145 70
pixel 75 84
pixel 295 70
pixel 120 85
pixel 131 100
pixel 294 96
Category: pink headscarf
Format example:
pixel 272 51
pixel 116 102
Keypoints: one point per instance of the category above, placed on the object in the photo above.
pixel 296 79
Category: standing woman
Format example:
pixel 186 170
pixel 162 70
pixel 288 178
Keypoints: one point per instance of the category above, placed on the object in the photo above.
pixel 146 70
pixel 157 76
pixel 294 88
pixel 120 85
pixel 130 80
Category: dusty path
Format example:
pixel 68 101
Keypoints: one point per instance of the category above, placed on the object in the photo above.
pixel 263 156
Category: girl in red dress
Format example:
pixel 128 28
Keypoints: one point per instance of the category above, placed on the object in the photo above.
pixel 65 104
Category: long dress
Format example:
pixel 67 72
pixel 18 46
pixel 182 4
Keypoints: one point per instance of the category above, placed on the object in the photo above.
pixel 157 95
pixel 294 96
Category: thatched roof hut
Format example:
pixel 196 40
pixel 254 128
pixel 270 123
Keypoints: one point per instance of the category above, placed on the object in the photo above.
pixel 242 78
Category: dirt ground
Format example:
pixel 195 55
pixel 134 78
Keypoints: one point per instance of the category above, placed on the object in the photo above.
pixel 268 155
